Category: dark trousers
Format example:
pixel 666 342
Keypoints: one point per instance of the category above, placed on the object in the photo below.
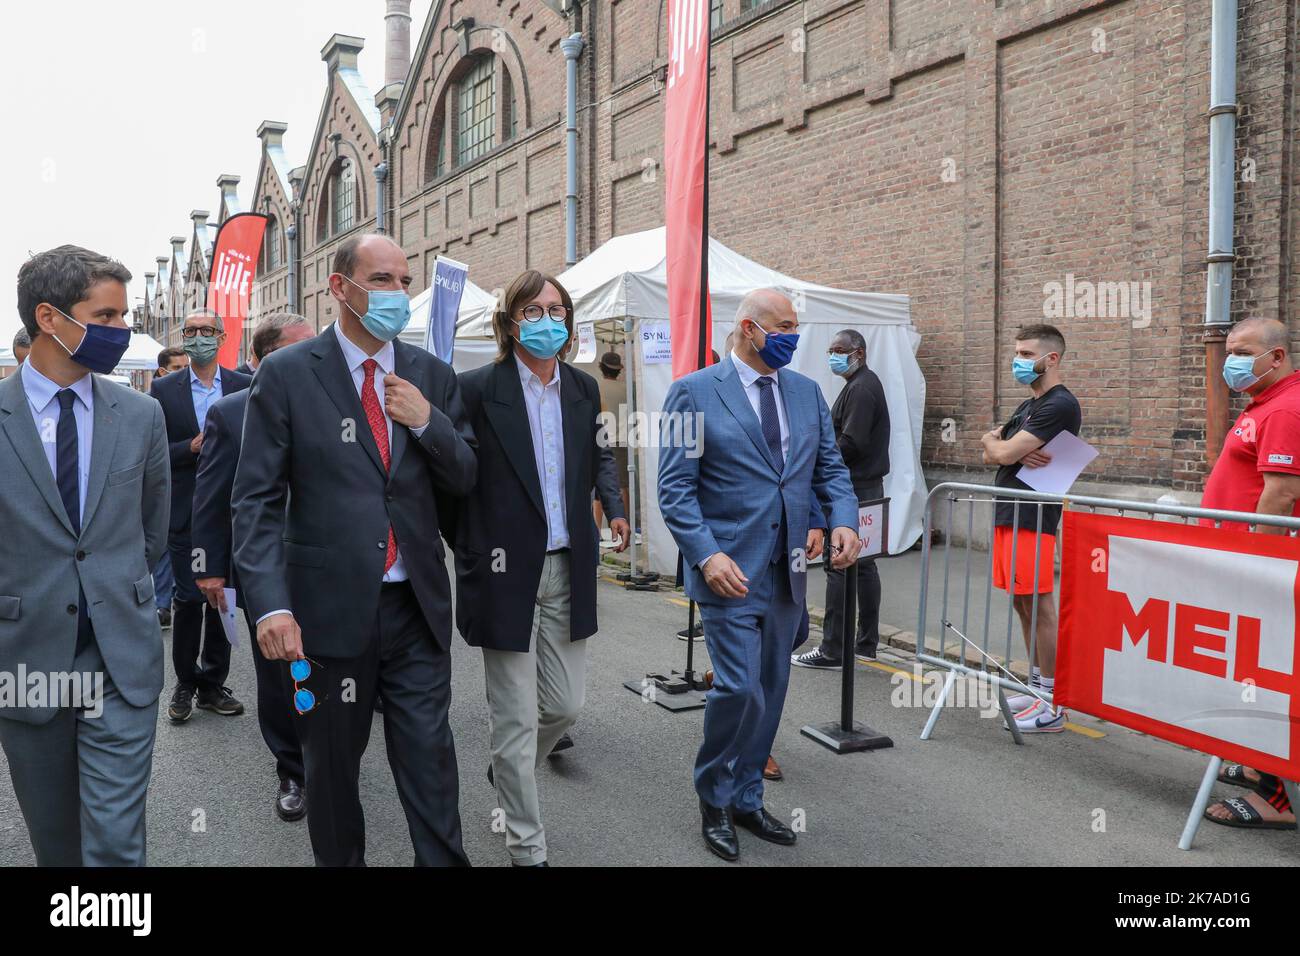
pixel 200 651
pixel 404 664
pixel 275 712
pixel 833 626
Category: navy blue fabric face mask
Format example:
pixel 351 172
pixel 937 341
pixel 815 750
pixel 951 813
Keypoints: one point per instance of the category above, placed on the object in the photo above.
pixel 101 348
pixel 778 348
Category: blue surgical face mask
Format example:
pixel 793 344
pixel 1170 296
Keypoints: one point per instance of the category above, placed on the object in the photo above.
pixel 101 348
pixel 1239 371
pixel 1023 370
pixel 842 364
pixel 544 338
pixel 778 347
pixel 387 313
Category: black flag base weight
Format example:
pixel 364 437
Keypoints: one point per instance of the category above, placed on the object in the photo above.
pixel 640 581
pixel 834 737
pixel 674 692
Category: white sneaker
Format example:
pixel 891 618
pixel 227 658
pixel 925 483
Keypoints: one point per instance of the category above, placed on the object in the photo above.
pixel 1041 719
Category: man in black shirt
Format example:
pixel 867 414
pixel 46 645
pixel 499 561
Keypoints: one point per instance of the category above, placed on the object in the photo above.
pixel 1051 410
pixel 861 419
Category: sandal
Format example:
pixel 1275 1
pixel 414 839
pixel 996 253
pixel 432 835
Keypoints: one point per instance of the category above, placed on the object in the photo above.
pixel 1246 817
pixel 1234 775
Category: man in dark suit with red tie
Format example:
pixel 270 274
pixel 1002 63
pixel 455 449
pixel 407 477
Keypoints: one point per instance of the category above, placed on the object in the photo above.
pixel 348 436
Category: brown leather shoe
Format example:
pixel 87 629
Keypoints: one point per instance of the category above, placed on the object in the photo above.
pixel 772 771
pixel 708 678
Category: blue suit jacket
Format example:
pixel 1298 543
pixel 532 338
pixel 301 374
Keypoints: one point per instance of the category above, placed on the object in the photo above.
pixel 731 496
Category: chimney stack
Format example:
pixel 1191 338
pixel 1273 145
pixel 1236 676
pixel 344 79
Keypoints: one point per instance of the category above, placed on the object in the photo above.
pixel 340 53
pixel 397 48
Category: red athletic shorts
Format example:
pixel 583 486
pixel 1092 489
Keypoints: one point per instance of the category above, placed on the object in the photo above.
pixel 1024 560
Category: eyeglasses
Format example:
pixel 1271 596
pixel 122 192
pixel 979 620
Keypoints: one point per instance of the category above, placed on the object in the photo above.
pixel 303 699
pixel 534 313
pixel 192 331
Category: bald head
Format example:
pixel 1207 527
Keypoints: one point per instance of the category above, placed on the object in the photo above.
pixel 1261 332
pixel 767 307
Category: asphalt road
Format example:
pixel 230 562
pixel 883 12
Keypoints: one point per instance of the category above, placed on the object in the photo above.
pixel 1097 795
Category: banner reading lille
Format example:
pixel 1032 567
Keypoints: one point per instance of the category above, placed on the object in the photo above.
pixel 1186 633
pixel 234 263
pixel 686 174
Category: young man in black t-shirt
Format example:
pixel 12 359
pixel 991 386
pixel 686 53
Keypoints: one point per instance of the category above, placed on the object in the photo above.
pixel 1051 410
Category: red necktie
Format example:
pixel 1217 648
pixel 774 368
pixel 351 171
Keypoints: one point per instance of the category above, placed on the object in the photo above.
pixel 378 428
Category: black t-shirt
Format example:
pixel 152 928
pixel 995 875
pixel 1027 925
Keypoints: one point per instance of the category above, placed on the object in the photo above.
pixel 1045 417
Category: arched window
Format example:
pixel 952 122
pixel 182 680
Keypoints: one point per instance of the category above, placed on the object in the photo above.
pixel 477 114
pixel 273 256
pixel 343 197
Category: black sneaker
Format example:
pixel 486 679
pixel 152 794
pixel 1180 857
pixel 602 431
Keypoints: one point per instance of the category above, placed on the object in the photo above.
pixel 564 743
pixel 165 617
pixel 865 654
pixel 814 658
pixel 220 700
pixel 182 705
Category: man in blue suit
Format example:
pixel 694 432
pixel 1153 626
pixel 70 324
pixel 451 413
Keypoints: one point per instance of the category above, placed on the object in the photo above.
pixel 740 503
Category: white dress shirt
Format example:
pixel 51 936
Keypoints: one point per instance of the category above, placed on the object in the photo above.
pixel 42 396
pixel 385 358
pixel 546 422
pixel 203 397
pixel 748 379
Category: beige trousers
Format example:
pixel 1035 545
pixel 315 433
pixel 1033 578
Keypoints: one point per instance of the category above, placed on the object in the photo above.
pixel 533 698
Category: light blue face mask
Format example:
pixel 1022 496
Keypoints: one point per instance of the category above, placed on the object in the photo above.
pixel 544 338
pixel 387 313
pixel 1239 371
pixel 841 364
pixel 1023 370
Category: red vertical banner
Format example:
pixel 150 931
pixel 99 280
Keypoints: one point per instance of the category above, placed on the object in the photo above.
pixel 686 193
pixel 230 286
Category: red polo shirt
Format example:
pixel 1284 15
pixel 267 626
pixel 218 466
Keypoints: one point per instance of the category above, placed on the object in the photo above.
pixel 1265 438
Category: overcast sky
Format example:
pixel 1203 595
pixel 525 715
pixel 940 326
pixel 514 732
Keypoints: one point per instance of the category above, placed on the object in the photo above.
pixel 120 116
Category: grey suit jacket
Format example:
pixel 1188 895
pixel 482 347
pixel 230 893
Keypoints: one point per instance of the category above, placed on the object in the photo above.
pixel 123 534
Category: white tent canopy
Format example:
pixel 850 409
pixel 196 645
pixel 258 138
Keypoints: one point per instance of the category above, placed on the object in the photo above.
pixel 626 279
pixel 141 355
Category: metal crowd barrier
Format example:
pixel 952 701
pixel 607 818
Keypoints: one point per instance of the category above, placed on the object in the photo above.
pixel 977 656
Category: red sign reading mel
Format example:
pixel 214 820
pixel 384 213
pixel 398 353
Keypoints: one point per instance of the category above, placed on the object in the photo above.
pixel 1187 633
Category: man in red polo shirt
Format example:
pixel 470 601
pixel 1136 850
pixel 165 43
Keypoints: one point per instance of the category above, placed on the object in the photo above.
pixel 1259 471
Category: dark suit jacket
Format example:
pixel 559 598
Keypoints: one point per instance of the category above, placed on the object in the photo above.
pixel 245 368
pixel 313 503
pixel 861 419
pixel 173 393
pixel 505 509
pixel 213 485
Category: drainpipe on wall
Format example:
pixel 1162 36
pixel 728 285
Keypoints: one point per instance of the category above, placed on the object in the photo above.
pixel 1222 181
pixel 572 47
pixel 291 234
pixel 381 176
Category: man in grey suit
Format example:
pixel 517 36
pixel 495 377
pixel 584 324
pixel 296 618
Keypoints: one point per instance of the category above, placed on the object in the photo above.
pixel 84 500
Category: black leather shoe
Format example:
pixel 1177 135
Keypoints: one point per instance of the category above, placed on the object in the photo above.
pixel 529 866
pixel 492 780
pixel 182 704
pixel 291 803
pixel 765 826
pixel 221 701
pixel 564 743
pixel 719 832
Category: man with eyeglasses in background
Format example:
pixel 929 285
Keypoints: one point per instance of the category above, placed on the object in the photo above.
pixel 860 417
pixel 185 398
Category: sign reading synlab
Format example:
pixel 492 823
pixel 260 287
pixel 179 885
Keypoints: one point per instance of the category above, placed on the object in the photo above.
pixel 1184 632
